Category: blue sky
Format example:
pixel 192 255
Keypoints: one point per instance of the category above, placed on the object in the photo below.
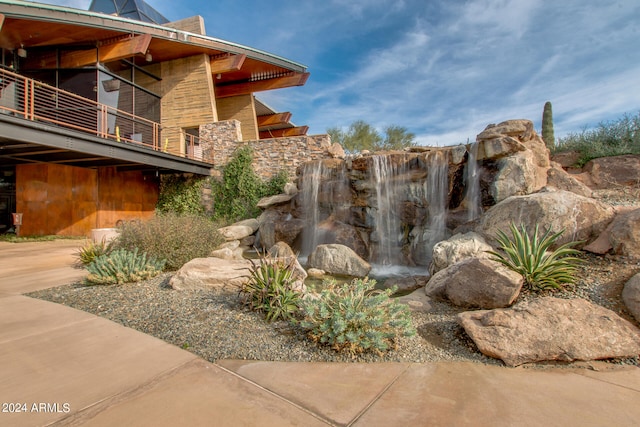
pixel 443 69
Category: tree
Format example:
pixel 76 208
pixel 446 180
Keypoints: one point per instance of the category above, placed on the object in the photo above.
pixel 397 137
pixel 362 136
pixel 547 126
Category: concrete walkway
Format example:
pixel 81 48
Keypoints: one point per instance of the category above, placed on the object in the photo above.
pixel 61 366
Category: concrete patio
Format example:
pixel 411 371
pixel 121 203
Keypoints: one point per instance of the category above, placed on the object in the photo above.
pixel 67 367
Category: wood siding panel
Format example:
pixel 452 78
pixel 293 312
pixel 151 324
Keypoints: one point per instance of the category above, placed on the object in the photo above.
pixel 241 108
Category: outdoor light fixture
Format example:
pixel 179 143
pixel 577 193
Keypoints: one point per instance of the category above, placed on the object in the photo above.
pixel 219 76
pixel 22 52
pixel 148 57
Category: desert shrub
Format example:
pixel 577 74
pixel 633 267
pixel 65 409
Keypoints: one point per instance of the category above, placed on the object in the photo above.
pixel 176 238
pixel 611 138
pixel 240 189
pixel 180 194
pixel 123 266
pixel 353 317
pixel 92 250
pixel 531 257
pixel 270 289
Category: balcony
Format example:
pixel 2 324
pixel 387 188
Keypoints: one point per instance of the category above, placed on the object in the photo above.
pixel 41 104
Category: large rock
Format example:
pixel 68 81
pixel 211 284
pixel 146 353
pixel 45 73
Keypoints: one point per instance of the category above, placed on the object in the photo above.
pixel 267 202
pixel 551 329
pixel 624 234
pixel 631 296
pixel 212 273
pixel 476 282
pixel 559 179
pixel 239 230
pixel 284 252
pixel 276 226
pixel 606 172
pixel 457 248
pixel 581 218
pixel 338 259
pixel 405 284
pixel 522 158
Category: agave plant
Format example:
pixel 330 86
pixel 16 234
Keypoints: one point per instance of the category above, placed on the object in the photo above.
pixel 531 257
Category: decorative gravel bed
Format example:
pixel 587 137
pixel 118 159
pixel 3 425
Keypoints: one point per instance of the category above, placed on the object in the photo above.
pixel 216 326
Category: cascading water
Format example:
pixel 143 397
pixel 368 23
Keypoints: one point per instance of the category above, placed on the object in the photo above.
pixel 473 183
pixel 388 182
pixel 436 194
pixel 312 174
pixel 325 194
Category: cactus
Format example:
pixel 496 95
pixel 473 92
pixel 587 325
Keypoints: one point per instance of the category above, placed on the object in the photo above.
pixel 123 266
pixel 547 126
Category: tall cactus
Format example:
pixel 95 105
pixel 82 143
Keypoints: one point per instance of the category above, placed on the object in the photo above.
pixel 547 126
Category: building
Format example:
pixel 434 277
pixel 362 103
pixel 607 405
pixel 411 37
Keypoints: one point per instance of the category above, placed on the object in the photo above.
pixel 95 106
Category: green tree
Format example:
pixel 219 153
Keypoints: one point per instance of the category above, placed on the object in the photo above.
pixel 362 136
pixel 397 137
pixel 547 126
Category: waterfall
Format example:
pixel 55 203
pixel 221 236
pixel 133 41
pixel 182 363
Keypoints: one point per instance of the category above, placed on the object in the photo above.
pixel 312 174
pixel 436 194
pixel 325 195
pixel 473 183
pixel 388 181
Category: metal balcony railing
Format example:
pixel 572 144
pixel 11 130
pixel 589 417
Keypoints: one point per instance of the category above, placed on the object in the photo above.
pixel 36 101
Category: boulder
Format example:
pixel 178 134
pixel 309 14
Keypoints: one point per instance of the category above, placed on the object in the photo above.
pixel 498 146
pixel 276 226
pixel 606 172
pixel 212 273
pixel 517 174
pixel 267 202
pixel 290 189
pixel 476 282
pixel 316 273
pixel 624 234
pixel 239 230
pixel 580 217
pixel 342 234
pixel 417 301
pixel 631 296
pixel 228 253
pixel 551 329
pixel 338 259
pixel 284 252
pixel 559 179
pixel 336 151
pixel 457 248
pixel 567 159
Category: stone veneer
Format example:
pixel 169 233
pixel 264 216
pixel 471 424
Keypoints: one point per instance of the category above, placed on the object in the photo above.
pixel 269 155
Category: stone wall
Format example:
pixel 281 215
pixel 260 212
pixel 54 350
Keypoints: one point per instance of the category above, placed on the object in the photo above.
pixel 269 155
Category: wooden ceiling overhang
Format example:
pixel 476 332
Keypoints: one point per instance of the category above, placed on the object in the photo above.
pixel 236 69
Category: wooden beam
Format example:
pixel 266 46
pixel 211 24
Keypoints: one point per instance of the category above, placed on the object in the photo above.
pixel 227 63
pixel 280 133
pixel 234 89
pixel 274 119
pixel 106 53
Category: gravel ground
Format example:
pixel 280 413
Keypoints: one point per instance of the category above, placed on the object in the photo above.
pixel 216 326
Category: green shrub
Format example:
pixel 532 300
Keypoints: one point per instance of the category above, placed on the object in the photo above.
pixel 176 238
pixel 123 266
pixel 532 258
pixel 92 250
pixel 355 318
pixel 240 190
pixel 612 138
pixel 181 195
pixel 270 289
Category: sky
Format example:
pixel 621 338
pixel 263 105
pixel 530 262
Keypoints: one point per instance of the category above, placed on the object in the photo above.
pixel 442 69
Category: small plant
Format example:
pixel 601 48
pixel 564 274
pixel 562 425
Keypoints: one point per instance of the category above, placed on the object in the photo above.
pixel 531 257
pixel 270 289
pixel 170 236
pixel 123 266
pixel 92 250
pixel 353 317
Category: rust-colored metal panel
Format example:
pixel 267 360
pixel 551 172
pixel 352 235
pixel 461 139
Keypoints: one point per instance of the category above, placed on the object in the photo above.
pixel 85 185
pixel 31 182
pixel 59 182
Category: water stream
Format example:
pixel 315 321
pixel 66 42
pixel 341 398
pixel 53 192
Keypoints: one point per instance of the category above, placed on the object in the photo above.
pixel 473 183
